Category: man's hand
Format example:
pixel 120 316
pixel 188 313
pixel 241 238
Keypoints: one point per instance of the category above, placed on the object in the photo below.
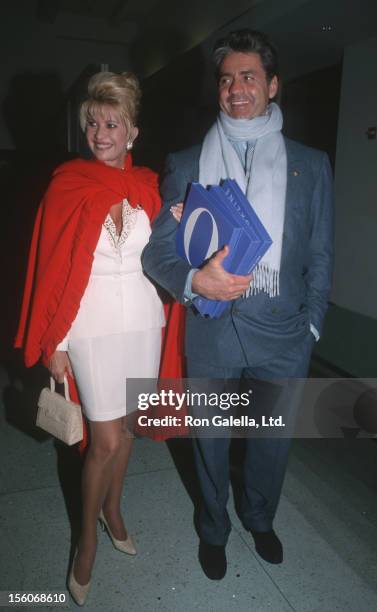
pixel 59 364
pixel 214 283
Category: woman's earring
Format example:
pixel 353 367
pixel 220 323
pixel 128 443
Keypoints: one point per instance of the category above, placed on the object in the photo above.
pixel 129 145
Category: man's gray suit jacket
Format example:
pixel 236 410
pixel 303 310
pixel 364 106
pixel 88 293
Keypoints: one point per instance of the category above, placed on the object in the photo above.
pixel 256 328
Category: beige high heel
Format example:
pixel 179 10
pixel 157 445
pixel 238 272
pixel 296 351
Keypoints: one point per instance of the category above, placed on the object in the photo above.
pixel 78 591
pixel 126 546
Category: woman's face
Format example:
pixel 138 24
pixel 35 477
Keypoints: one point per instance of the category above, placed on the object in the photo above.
pixel 107 136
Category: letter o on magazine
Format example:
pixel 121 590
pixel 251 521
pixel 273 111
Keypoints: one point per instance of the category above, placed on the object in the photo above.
pixel 189 229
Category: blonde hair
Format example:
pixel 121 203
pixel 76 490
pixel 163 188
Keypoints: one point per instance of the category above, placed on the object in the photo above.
pixel 121 91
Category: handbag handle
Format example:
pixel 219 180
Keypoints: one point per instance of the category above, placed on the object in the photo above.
pixel 66 387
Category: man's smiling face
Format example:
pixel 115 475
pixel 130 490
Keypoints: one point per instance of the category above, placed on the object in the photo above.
pixel 244 91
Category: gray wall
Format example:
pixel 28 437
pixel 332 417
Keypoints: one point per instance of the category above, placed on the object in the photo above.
pixel 355 281
pixel 350 334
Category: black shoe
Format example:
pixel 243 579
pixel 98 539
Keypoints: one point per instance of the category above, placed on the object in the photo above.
pixel 213 560
pixel 268 546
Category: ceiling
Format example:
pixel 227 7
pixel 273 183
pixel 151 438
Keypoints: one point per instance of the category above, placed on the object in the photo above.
pixel 309 33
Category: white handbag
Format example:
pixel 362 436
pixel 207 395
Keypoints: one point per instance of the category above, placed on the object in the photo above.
pixel 58 415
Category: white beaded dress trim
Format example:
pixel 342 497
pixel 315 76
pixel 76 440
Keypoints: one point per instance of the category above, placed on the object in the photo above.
pixel 128 223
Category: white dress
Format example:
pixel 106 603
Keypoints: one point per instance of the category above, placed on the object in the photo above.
pixel 117 332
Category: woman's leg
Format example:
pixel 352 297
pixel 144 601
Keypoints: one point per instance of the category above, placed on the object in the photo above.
pixel 105 445
pixel 112 502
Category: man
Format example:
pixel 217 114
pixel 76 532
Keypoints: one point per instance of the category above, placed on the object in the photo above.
pixel 275 314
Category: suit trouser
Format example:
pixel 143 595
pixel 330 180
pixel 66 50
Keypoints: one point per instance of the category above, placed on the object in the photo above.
pixel 265 458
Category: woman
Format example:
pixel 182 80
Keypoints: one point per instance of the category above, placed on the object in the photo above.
pixel 88 309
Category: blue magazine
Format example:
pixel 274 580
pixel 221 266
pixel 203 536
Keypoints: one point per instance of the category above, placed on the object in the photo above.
pixel 236 250
pixel 204 229
pixel 215 217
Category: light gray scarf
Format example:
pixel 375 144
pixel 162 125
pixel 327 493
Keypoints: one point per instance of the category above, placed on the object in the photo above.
pixel 268 180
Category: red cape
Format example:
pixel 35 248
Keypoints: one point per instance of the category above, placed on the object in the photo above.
pixel 66 233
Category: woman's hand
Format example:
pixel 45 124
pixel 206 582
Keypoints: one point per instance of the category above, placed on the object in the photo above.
pixel 176 211
pixel 59 364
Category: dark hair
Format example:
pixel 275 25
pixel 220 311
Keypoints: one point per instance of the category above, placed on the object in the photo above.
pixel 247 41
